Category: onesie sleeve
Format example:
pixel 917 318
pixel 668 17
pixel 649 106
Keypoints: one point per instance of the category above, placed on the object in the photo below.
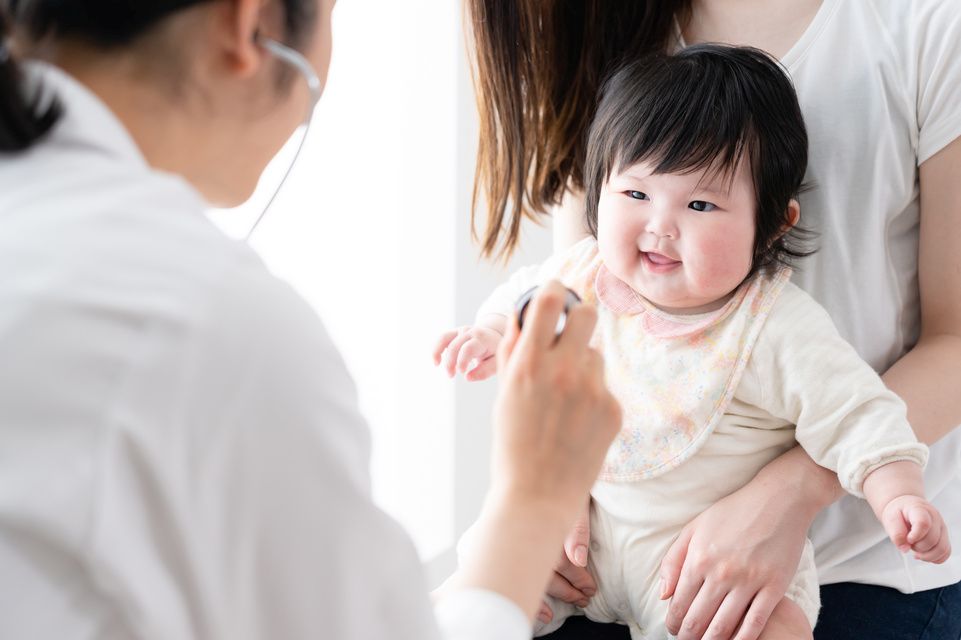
pixel 560 266
pixel 937 48
pixel 847 419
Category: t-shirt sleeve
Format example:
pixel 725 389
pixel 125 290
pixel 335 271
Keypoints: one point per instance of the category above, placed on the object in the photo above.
pixel 938 71
pixel 847 419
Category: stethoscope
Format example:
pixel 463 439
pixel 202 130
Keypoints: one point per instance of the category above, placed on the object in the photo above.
pixel 300 64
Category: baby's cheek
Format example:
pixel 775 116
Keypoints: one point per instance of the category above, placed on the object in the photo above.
pixel 724 263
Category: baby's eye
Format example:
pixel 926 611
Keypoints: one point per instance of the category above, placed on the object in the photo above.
pixel 637 195
pixel 701 205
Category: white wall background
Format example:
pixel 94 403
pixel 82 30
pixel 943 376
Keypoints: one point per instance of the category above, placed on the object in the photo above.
pixel 372 228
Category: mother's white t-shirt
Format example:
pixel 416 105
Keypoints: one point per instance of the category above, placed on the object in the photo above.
pixel 879 83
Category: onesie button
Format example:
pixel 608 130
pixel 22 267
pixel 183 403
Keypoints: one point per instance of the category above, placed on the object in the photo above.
pixel 595 545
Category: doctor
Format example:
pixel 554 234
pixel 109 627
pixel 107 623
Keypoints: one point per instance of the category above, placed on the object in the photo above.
pixel 181 454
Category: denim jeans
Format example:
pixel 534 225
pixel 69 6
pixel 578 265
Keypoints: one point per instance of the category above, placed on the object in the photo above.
pixel 849 611
pixel 852 611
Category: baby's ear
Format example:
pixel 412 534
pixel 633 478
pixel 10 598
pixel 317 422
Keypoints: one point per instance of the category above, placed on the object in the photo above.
pixel 793 216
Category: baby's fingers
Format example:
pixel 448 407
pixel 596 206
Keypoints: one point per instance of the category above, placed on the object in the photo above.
pixel 453 350
pixel 482 371
pixel 897 528
pixel 934 547
pixel 919 521
pixel 442 345
pixel 472 350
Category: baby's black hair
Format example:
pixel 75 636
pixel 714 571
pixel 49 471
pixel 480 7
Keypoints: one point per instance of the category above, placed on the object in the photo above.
pixel 707 107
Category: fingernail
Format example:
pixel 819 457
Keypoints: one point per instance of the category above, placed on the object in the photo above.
pixel 588 591
pixel 543 618
pixel 580 555
pixel 663 588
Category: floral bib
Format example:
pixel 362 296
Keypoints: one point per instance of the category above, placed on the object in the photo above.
pixel 674 375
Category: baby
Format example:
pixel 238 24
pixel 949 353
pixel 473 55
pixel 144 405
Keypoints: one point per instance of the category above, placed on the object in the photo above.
pixel 719 362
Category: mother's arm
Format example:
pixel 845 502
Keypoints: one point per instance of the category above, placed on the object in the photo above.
pixel 736 559
pixel 929 376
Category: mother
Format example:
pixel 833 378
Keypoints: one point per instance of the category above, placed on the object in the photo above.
pixel 181 452
pixel 880 85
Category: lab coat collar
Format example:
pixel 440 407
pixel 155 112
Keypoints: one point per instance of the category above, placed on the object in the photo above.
pixel 87 122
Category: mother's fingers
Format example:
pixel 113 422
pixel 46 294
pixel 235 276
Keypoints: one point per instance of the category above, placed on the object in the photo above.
pixel 561 588
pixel 757 615
pixel 701 613
pixel 673 562
pixel 729 615
pixel 687 589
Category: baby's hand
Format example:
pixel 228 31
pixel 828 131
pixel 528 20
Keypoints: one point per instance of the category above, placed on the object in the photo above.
pixel 469 350
pixel 914 524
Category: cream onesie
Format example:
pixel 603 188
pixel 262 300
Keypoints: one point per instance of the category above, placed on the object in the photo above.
pixel 708 400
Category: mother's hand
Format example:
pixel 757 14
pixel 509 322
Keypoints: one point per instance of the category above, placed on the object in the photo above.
pixel 734 562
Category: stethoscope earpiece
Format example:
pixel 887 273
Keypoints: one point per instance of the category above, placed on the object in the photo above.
pixel 304 68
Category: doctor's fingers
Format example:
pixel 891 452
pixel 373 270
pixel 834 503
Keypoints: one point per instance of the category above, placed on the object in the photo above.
pixel 578 329
pixel 540 321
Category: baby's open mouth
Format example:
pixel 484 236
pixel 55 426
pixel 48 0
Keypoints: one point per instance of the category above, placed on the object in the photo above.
pixel 659 259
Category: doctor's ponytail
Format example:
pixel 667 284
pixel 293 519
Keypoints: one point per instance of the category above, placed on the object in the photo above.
pixel 22 120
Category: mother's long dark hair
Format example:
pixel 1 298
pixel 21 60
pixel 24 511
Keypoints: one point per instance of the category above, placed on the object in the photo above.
pixel 101 23
pixel 538 67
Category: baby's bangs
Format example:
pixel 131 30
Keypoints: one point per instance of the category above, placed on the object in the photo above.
pixel 690 114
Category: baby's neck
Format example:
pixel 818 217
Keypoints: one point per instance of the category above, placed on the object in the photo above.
pixel 692 311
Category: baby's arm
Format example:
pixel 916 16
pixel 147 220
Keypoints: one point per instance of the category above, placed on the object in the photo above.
pixel 896 493
pixel 847 420
pixel 470 349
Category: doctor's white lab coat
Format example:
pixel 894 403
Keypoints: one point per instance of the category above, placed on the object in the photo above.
pixel 181 454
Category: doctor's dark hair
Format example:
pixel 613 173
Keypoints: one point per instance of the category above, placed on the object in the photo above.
pixel 707 108
pixel 25 115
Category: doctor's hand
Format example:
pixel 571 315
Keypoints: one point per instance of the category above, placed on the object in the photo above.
pixel 554 420
pixel 554 416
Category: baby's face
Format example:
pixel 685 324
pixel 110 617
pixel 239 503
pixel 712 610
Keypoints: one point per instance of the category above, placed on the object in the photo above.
pixel 684 242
